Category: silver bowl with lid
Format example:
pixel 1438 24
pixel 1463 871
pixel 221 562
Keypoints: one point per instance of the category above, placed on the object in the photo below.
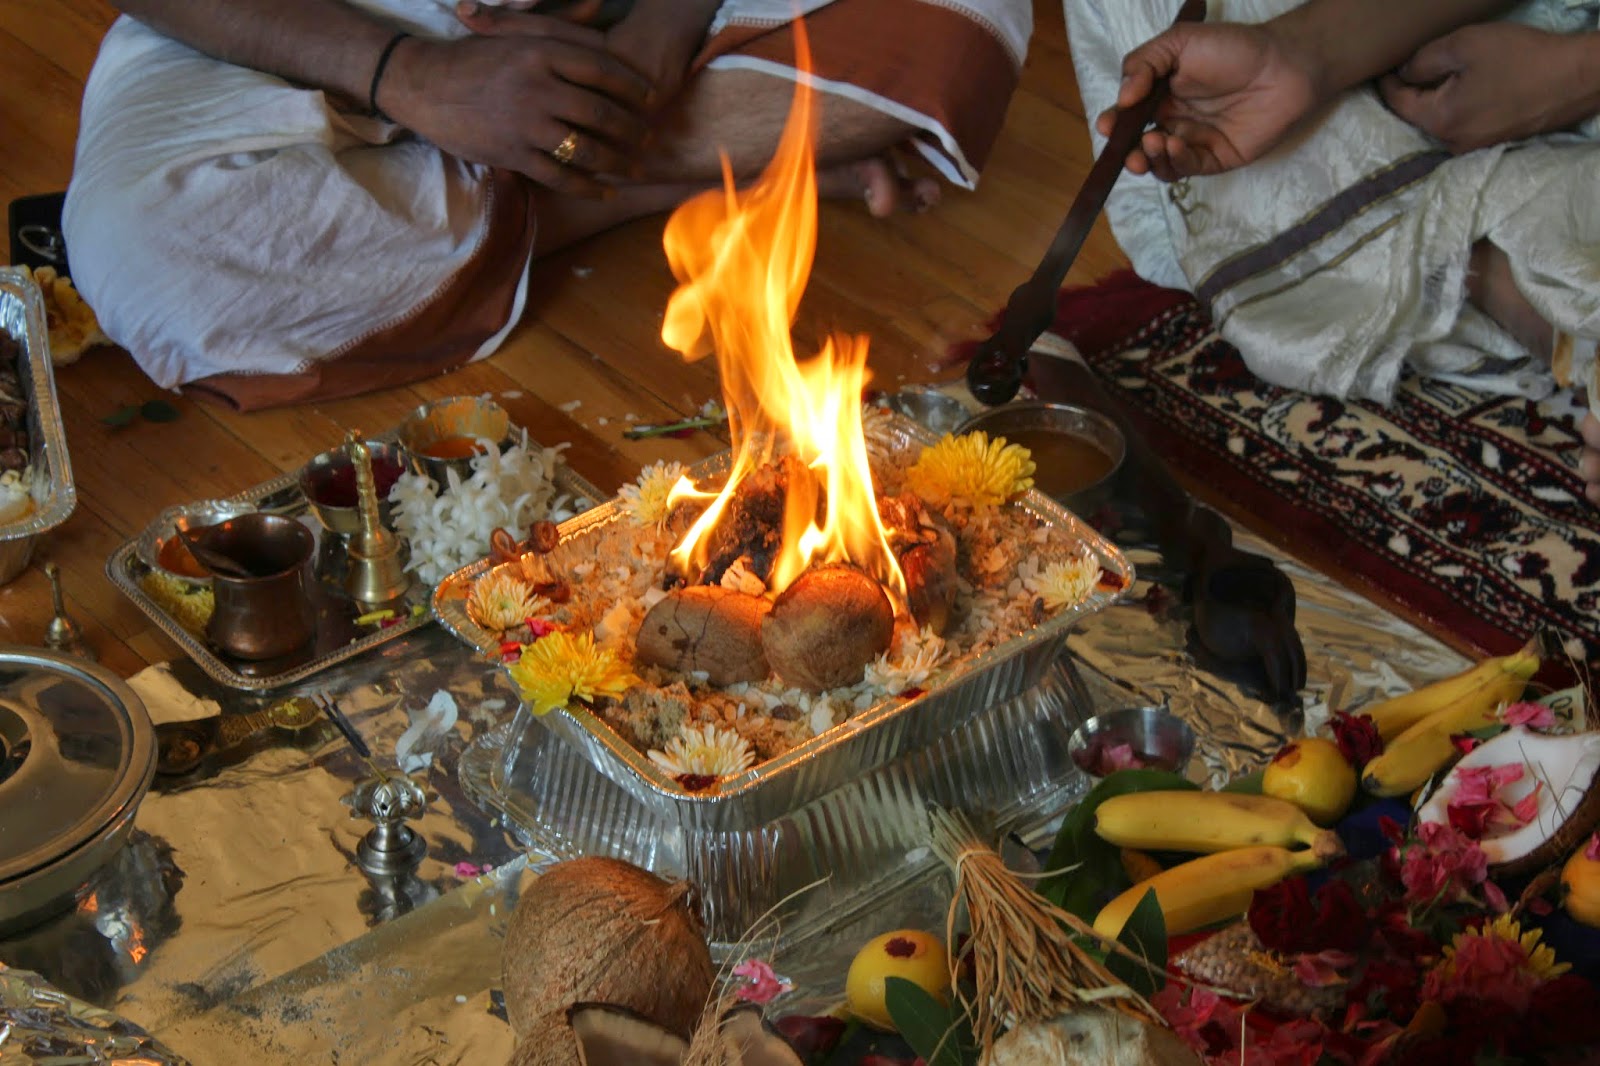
pixel 77 754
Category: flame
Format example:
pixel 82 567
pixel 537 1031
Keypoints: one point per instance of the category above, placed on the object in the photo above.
pixel 742 257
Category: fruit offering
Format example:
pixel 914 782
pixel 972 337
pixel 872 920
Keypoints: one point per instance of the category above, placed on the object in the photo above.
pixel 1489 683
pixel 1208 821
pixel 1209 889
pixel 1313 775
pixel 911 954
pixel 1580 883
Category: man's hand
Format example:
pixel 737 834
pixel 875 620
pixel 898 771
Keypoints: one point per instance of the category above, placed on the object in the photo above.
pixel 1495 82
pixel 660 40
pixel 511 94
pixel 1234 92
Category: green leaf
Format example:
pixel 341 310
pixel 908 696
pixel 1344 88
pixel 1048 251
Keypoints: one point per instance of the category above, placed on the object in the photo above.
pixel 1093 868
pixel 938 1033
pixel 121 416
pixel 1145 934
pixel 158 411
pixel 1249 784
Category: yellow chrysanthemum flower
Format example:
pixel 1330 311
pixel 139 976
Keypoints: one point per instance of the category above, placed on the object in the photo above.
pixel 971 467
pixel 645 500
pixel 1540 962
pixel 561 666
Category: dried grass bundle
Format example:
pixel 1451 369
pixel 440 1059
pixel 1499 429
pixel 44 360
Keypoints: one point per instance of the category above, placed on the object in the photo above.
pixel 1028 965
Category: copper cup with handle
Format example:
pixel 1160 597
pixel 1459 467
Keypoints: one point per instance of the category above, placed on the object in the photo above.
pixel 263 609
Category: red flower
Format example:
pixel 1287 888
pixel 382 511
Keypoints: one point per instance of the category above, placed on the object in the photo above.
pixel 1357 737
pixel 1288 919
pixel 1443 865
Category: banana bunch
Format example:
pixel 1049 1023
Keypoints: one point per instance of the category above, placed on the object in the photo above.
pixel 1209 822
pixel 1420 744
pixel 1209 889
pixel 1249 838
pixel 1489 683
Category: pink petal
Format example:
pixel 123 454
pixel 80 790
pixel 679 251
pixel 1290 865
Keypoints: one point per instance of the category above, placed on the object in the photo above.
pixel 1528 807
pixel 1532 715
pixel 1121 757
pixel 1591 850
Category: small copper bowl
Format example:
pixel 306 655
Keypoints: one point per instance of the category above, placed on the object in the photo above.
pixel 448 434
pixel 328 483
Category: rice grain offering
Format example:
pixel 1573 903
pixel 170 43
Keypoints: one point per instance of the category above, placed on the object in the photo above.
pixel 685 625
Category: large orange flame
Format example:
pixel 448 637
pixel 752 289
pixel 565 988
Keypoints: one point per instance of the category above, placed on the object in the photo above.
pixel 742 257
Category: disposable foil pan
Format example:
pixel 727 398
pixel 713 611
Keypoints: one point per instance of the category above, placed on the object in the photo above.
pixel 837 854
pixel 862 743
pixel 22 317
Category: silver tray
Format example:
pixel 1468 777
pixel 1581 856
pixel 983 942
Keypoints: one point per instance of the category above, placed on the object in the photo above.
pixel 862 743
pixel 282 495
pixel 22 316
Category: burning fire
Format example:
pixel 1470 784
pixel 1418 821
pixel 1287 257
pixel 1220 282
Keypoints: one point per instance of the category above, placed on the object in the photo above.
pixel 742 258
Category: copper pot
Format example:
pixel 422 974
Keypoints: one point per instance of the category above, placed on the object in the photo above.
pixel 268 613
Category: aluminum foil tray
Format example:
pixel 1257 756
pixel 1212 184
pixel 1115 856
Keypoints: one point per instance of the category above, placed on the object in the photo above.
pixel 22 317
pixel 871 739
pixel 282 495
pixel 833 856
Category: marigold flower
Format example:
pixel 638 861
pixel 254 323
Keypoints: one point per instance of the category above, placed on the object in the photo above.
pixel 1497 961
pixel 971 467
pixel 562 666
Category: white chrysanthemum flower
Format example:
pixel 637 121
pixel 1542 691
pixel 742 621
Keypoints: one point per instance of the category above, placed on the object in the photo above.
pixel 500 601
pixel 646 499
pixel 739 578
pixel 1065 583
pixel 910 664
pixel 705 752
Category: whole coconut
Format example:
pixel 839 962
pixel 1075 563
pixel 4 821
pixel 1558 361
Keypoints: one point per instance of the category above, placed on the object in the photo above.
pixel 599 930
pixel 826 627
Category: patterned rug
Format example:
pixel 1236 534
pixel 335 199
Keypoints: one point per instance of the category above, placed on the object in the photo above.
pixel 1462 511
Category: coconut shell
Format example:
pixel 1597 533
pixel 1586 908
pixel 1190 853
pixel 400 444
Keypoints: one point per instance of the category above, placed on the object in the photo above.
pixel 598 930
pixel 706 627
pixel 826 627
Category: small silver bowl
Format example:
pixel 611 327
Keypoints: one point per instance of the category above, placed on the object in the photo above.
pixel 1156 738
pixel 453 423
pixel 931 407
pixel 1033 425
pixel 163 532
pixel 328 483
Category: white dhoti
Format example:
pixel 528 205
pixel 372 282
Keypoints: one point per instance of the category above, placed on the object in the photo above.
pixel 1341 257
pixel 243 236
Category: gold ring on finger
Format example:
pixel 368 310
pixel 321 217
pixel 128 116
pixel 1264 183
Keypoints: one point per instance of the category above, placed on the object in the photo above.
pixel 565 152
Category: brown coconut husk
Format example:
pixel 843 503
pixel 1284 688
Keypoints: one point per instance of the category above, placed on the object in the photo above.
pixel 599 930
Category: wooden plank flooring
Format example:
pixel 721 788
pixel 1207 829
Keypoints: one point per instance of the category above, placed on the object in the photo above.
pixel 914 284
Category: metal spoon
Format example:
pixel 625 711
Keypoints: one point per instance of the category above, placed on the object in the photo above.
pixel 63 634
pixel 212 560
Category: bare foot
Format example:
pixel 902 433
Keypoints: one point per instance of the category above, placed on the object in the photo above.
pixel 882 183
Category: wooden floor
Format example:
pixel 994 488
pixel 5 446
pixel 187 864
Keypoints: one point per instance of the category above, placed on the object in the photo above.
pixel 914 284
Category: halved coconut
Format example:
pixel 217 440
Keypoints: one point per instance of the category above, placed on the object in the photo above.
pixel 747 1040
pixel 1566 771
pixel 600 1034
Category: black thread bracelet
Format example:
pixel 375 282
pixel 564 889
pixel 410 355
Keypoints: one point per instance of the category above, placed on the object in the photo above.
pixel 377 75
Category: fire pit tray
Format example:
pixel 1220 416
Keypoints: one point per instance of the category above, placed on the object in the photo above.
pixel 862 743
pixel 844 853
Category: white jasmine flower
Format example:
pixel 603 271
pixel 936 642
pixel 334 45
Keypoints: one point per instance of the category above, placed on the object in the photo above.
pixel 646 499
pixel 1065 583
pixel 705 751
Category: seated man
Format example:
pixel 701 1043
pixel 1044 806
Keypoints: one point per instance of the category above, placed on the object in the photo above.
pixel 282 200
pixel 1442 217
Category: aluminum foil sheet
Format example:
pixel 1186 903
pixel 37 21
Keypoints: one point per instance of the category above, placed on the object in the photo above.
pixel 237 923
pixel 39 1023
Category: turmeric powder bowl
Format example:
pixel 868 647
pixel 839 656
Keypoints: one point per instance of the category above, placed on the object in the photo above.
pixel 448 434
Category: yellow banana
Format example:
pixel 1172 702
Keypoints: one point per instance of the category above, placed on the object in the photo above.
pixel 1422 750
pixel 1209 889
pixel 1499 679
pixel 1174 820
